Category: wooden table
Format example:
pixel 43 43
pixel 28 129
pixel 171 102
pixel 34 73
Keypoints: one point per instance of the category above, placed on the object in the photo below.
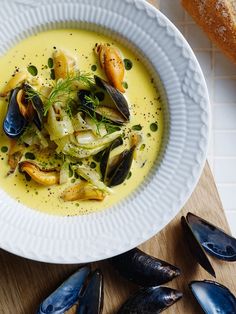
pixel 24 284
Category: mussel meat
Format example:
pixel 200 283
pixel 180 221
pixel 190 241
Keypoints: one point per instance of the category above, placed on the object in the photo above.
pixel 14 82
pixel 143 269
pixel 196 248
pixel 112 64
pixel 83 191
pixel 213 239
pixel 213 297
pixel 116 96
pixel 150 300
pixel 22 109
pixel 64 64
pixel 43 177
pixel 14 155
pixel 14 123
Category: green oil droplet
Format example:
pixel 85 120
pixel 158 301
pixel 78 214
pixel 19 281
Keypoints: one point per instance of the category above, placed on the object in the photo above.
pixel 153 127
pixel 32 70
pixel 128 64
pixel 137 127
pixel 30 156
pixel 94 67
pixel 52 74
pixel 50 63
pixel 125 85
pixel 4 149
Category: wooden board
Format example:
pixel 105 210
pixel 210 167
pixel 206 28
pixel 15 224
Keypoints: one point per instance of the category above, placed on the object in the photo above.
pixel 24 284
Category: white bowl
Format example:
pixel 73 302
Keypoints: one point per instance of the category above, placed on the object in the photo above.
pixel 154 204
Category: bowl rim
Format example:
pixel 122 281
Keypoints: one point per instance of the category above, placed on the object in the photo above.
pixel 31 234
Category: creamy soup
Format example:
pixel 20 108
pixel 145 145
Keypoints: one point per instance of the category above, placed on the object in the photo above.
pixel 146 118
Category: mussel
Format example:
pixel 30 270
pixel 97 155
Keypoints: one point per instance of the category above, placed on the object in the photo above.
pixel 119 101
pixel 43 177
pixel 115 170
pixel 64 64
pixel 83 191
pixel 117 111
pixel 119 167
pixel 105 157
pixel 213 297
pixel 112 64
pixel 213 239
pixel 24 106
pixel 196 248
pixel 33 99
pixel 15 81
pixel 83 287
pixel 143 269
pixel 14 123
pixel 150 300
pixel 91 301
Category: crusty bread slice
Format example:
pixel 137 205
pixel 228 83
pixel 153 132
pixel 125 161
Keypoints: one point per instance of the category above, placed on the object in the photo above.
pixel 218 20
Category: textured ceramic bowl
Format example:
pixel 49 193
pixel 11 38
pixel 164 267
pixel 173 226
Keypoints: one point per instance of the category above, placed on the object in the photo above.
pixel 135 219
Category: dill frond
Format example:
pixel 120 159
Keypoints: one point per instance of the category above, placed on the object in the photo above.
pixel 63 89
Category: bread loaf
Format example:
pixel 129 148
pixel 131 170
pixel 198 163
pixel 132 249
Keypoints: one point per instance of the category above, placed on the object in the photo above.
pixel 218 20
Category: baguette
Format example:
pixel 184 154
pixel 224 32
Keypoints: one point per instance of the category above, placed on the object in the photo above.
pixel 218 20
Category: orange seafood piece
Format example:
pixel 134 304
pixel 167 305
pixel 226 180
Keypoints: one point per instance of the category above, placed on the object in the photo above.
pixel 43 177
pixel 83 191
pixel 112 64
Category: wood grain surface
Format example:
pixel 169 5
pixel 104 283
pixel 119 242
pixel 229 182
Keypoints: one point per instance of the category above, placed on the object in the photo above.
pixel 24 284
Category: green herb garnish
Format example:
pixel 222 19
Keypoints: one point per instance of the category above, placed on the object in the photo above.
pixel 63 89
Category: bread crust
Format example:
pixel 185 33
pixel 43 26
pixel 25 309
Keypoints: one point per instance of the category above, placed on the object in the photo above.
pixel 218 20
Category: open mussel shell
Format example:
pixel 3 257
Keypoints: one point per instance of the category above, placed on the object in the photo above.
pixel 117 97
pixel 213 297
pixel 196 248
pixel 105 157
pixel 37 105
pixel 91 301
pixel 66 295
pixel 82 96
pixel 14 123
pixel 143 269
pixel 151 300
pixel 119 170
pixel 213 239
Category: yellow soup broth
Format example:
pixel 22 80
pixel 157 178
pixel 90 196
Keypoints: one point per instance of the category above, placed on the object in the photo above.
pixel 144 103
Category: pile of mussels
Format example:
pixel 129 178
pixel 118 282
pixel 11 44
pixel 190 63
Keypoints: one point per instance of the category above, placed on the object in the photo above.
pixel 85 288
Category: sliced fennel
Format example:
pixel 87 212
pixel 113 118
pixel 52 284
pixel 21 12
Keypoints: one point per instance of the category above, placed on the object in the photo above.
pixel 80 153
pixel 91 176
pixel 58 129
pixel 103 141
pixel 79 124
pixel 64 172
